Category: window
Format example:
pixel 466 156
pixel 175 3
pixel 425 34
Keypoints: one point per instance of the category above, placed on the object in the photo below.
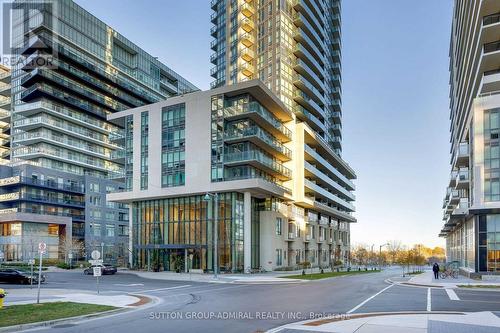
pixel 173 145
pixel 123 230
pixel 110 216
pixel 110 230
pixel 95 213
pixel 279 257
pixel 93 187
pixel 279 226
pixel 96 230
pixel 144 149
pixel 53 230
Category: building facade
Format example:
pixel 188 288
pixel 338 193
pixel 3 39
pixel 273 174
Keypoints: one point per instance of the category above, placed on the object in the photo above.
pixel 283 194
pixel 73 71
pixel 5 114
pixel 472 201
pixel 40 204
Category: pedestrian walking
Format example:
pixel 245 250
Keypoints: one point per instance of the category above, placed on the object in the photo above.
pixel 435 269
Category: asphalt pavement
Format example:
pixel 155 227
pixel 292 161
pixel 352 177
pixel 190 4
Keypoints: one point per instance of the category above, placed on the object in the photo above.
pixel 185 306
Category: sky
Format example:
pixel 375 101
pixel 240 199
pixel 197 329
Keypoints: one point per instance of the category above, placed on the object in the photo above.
pixel 395 98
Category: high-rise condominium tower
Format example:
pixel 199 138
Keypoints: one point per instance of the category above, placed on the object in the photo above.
pixel 293 46
pixel 472 202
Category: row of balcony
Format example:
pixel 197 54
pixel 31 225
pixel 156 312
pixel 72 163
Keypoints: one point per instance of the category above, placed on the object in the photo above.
pixel 259 160
pixel 261 115
pixel 81 118
pixel 311 119
pixel 66 127
pixel 77 217
pixel 5 89
pixel 320 191
pixel 327 181
pixel 263 140
pixel 22 196
pixel 29 152
pixel 18 180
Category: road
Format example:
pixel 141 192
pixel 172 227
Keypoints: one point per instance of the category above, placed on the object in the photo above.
pixel 260 307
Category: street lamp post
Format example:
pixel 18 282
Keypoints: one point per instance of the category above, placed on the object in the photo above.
pixel 380 255
pixel 208 197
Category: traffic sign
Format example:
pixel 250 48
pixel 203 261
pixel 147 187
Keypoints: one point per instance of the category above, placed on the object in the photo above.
pixel 70 256
pixel 95 254
pixel 31 262
pixel 95 262
pixel 97 271
pixel 42 247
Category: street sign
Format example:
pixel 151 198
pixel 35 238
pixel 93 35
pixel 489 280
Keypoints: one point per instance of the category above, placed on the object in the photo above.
pixel 42 247
pixel 95 262
pixel 70 256
pixel 31 262
pixel 97 271
pixel 95 254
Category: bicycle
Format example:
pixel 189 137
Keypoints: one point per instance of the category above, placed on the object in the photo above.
pixel 449 273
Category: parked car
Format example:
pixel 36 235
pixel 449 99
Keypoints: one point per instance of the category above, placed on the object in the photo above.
pixel 10 275
pixel 105 269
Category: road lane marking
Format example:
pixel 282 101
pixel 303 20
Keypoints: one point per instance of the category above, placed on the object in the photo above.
pixel 129 284
pixel 429 301
pixel 161 289
pixel 368 299
pixel 452 294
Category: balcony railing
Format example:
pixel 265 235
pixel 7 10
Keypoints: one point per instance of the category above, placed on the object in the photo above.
pixel 491 47
pixel 491 19
pixel 234 133
pixel 258 156
pixel 254 107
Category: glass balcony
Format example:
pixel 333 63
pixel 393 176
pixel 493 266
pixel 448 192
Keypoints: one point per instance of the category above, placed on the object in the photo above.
pixel 309 88
pixel 491 19
pixel 336 117
pixel 327 181
pixel 48 121
pixel 303 99
pixel 246 69
pixel 5 89
pixel 327 195
pixel 462 155
pixel 462 181
pixel 247 54
pixel 300 51
pixel 247 9
pixel 491 47
pixel 302 37
pixel 301 21
pixel 247 39
pixel 260 113
pixel 247 24
pixel 213 31
pixel 253 131
pixel 302 68
pixel 308 117
pixel 261 160
pixel 82 118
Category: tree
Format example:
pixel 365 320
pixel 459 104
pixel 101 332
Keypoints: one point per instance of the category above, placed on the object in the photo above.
pixel 393 249
pixel 69 245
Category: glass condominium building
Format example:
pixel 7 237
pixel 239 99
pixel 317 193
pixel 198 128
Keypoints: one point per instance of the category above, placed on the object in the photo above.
pixel 472 200
pixel 73 70
pixel 60 107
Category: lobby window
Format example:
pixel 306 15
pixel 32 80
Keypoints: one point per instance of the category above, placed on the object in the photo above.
pixel 110 230
pixel 144 149
pixel 96 228
pixel 173 145
pixel 53 230
pixel 279 226
pixel 93 187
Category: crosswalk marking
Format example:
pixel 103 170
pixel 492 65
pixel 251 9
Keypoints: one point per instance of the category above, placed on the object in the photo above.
pixel 452 294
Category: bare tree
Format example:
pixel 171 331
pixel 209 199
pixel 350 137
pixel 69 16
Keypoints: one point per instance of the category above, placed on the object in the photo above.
pixel 73 246
pixel 393 249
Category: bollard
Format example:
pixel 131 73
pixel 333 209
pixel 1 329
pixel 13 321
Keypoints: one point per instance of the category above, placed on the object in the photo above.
pixel 2 296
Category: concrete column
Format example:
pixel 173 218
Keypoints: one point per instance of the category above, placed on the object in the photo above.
pixel 185 260
pixel 247 231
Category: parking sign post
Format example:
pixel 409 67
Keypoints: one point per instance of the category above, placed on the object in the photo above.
pixel 31 262
pixel 96 270
pixel 41 249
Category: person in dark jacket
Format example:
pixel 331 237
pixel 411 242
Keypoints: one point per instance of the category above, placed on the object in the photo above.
pixel 435 269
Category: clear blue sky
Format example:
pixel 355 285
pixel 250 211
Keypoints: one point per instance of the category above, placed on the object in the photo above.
pixel 395 98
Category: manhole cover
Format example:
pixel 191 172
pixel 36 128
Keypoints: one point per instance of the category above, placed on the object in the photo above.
pixel 63 325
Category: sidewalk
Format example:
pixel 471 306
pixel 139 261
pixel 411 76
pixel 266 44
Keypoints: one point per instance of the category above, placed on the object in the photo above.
pixel 427 279
pixel 262 278
pixel 28 296
pixel 481 322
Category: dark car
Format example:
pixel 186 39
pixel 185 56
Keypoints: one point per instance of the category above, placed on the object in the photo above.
pixel 10 275
pixel 105 269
